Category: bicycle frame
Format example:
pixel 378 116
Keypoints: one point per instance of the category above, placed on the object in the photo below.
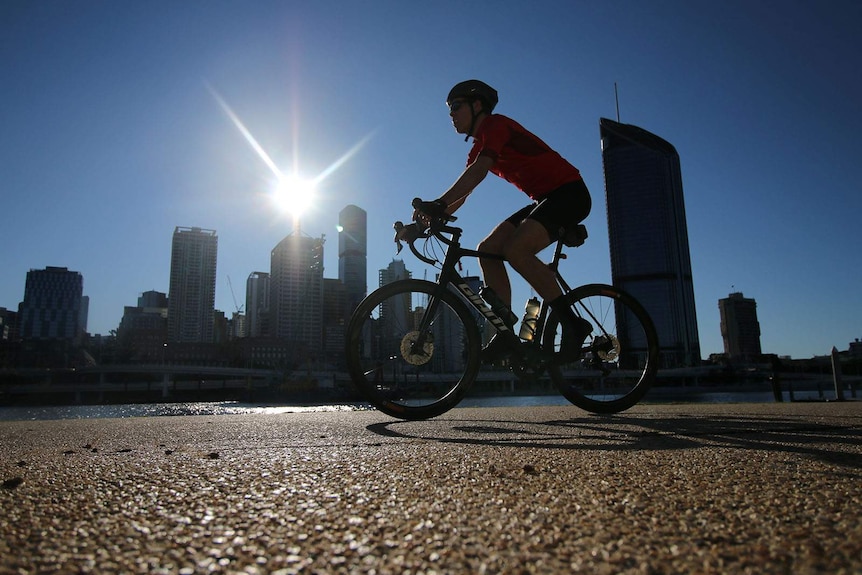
pixel 450 276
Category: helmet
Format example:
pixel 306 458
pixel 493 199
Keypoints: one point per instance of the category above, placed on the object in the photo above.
pixel 474 90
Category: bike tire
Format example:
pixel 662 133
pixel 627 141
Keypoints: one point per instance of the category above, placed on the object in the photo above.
pixel 404 381
pixel 618 361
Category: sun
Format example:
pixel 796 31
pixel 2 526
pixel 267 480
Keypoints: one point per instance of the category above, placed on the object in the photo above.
pixel 293 194
pixel 290 193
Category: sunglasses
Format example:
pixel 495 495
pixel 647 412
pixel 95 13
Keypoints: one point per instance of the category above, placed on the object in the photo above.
pixel 456 105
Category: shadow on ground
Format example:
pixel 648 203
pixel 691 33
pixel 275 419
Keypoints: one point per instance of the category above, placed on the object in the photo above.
pixel 836 443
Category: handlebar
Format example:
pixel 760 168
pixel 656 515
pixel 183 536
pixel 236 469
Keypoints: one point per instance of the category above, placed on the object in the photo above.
pixel 410 233
pixel 434 226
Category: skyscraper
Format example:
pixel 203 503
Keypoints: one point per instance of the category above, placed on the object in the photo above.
pixel 648 235
pixel 396 270
pixel 51 309
pixel 352 254
pixel 257 304
pixel 395 312
pixel 191 296
pixel 296 292
pixel 740 329
pixel 334 322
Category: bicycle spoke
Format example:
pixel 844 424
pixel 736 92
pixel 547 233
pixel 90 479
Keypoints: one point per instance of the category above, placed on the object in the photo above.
pixel 617 363
pixel 410 362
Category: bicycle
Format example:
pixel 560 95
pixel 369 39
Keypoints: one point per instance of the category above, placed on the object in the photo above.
pixel 413 346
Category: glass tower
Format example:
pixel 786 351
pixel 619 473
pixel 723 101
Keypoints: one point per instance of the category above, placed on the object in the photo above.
pixel 51 309
pixel 648 235
pixel 257 304
pixel 352 254
pixel 296 293
pixel 191 296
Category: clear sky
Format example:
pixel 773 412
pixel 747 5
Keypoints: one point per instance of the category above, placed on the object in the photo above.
pixel 113 132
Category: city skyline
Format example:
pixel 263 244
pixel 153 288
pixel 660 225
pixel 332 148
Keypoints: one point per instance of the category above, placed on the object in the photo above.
pixel 113 136
pixel 297 255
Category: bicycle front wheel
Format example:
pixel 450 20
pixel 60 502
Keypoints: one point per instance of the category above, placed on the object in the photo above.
pixel 411 354
pixel 619 359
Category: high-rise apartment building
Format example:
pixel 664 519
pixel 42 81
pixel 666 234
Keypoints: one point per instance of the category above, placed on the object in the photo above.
pixel 395 313
pixel 740 329
pixel 352 254
pixel 257 304
pixel 296 292
pixel 52 305
pixel 648 235
pixel 396 270
pixel 191 296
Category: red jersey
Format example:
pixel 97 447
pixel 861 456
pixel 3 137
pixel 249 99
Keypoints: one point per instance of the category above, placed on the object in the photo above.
pixel 520 157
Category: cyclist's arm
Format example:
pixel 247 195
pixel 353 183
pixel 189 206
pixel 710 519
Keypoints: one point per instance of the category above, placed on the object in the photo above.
pixel 467 182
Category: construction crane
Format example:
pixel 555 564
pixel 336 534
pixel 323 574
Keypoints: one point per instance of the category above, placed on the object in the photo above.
pixel 238 307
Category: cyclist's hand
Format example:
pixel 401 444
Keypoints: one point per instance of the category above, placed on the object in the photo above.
pixel 424 213
pixel 409 233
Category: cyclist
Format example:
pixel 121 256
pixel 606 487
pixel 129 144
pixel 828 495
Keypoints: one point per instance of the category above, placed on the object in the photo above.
pixel 560 199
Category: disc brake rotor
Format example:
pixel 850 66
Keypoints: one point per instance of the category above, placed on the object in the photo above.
pixel 412 354
pixel 608 346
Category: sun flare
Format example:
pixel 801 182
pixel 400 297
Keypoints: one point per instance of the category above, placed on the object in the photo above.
pixel 293 194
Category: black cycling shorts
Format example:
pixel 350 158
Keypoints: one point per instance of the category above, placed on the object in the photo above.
pixel 562 208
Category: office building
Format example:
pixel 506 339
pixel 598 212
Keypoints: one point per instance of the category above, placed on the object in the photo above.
pixel 191 296
pixel 740 329
pixel 143 330
pixel 648 235
pixel 52 306
pixel 8 325
pixel 296 293
pixel 395 313
pixel 396 270
pixel 352 254
pixel 257 304
pixel 334 321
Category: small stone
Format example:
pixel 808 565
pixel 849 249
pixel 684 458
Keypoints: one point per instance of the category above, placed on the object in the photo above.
pixel 12 483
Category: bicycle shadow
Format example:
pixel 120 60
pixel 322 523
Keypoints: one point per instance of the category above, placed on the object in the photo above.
pixel 834 443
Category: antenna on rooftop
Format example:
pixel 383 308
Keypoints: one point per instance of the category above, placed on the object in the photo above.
pixel 617 98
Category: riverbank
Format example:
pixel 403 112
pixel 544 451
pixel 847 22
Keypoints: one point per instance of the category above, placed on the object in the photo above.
pixel 213 392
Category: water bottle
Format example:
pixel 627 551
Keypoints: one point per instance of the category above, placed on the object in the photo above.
pixel 528 324
pixel 498 307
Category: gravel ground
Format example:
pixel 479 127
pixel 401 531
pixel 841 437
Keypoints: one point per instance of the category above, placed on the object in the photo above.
pixel 659 489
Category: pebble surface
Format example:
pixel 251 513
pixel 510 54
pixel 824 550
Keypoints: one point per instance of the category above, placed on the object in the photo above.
pixel 748 488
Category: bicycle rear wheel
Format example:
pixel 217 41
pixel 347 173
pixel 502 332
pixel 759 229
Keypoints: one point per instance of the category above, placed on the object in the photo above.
pixel 405 372
pixel 619 359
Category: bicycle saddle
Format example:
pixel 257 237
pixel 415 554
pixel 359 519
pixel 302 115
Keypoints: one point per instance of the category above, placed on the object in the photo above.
pixel 574 236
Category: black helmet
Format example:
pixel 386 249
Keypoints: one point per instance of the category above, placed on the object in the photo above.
pixel 474 90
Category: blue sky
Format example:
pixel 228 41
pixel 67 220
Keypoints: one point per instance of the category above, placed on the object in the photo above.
pixel 111 135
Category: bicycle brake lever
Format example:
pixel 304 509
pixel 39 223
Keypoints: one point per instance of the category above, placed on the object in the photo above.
pixel 399 230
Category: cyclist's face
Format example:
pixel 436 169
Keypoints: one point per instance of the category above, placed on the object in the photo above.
pixel 461 114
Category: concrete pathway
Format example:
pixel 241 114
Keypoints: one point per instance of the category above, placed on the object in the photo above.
pixel 659 489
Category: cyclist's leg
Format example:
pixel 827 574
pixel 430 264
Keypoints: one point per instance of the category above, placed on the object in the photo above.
pixel 564 207
pixel 495 276
pixel 529 239
pixel 494 271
